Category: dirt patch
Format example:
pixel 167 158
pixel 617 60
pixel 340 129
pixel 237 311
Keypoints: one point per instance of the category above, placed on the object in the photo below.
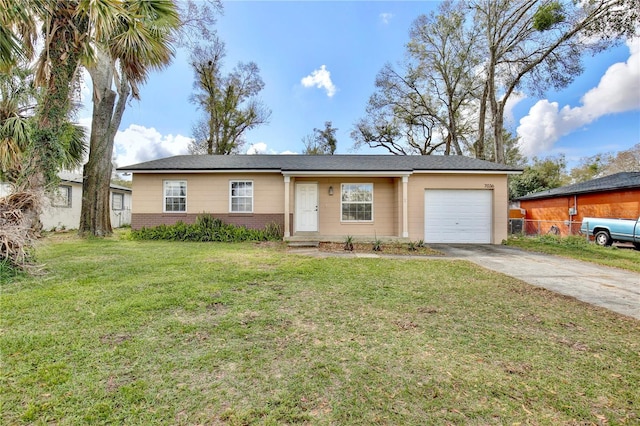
pixel 398 249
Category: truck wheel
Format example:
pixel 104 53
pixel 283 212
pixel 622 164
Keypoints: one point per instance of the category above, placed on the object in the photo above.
pixel 603 238
pixel 637 246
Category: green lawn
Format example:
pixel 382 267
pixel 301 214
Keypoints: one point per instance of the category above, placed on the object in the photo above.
pixel 131 332
pixel 576 247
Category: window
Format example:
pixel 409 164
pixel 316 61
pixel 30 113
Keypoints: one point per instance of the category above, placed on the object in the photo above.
pixel 357 202
pixel 175 196
pixel 241 200
pixel 117 201
pixel 62 196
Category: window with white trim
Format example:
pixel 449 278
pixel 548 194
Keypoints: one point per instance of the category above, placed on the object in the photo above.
pixel 62 196
pixel 357 202
pixel 175 195
pixel 241 196
pixel 117 201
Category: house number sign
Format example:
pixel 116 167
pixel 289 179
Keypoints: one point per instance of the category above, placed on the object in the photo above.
pixel 488 186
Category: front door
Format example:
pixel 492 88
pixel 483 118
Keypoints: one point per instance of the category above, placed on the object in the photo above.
pixel 306 219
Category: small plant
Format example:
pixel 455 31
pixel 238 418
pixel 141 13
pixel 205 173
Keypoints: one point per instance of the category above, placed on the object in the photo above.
pixel 377 245
pixel 413 246
pixel 348 243
pixel 420 243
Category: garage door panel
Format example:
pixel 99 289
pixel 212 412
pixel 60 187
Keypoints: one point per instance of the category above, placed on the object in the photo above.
pixel 458 216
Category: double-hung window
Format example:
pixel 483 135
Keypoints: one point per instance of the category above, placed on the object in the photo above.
pixel 357 202
pixel 175 196
pixel 241 196
pixel 62 196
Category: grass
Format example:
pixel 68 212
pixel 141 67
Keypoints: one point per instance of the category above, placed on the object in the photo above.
pixel 576 247
pixel 130 332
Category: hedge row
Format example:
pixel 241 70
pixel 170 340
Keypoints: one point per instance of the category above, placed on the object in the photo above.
pixel 208 228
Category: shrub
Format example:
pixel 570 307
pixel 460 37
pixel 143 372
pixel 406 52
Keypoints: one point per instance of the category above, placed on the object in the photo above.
pixel 207 228
pixel 348 243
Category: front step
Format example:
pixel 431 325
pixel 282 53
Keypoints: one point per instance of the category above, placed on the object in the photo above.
pixel 304 244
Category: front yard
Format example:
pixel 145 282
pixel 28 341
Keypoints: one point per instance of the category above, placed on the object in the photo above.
pixel 131 332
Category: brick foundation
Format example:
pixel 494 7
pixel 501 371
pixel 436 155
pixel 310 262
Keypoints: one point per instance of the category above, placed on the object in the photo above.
pixel 253 221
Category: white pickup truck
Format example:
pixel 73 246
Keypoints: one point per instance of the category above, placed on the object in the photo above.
pixel 606 231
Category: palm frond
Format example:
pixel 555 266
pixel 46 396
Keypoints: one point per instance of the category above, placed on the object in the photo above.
pixel 74 146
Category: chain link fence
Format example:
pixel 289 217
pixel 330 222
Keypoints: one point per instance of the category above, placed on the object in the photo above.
pixel 544 227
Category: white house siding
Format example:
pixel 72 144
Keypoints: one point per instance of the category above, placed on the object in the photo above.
pixel 56 217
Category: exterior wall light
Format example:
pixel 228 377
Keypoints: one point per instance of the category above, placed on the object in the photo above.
pixel 331 190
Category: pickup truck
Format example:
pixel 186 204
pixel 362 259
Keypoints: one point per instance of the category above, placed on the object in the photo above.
pixel 606 231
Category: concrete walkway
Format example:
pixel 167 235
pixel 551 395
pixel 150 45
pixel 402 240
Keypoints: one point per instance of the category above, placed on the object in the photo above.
pixel 610 288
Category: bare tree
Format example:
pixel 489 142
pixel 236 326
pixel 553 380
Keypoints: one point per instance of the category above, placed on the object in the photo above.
pixel 322 141
pixel 229 103
pixel 443 52
pixel 538 44
pixel 425 107
pixel 399 117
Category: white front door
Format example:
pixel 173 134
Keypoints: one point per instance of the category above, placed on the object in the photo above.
pixel 306 219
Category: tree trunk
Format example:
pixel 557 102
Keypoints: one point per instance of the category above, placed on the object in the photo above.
pixel 53 111
pixel 95 217
pixel 498 134
pixel 482 117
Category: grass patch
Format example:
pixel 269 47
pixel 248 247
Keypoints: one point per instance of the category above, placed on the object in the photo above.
pixel 576 247
pixel 154 332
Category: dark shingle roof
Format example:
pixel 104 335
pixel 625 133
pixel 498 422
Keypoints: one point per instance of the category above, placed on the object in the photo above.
pixel 623 180
pixel 318 163
pixel 76 178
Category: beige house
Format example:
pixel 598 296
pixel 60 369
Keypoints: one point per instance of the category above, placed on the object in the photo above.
pixel 438 199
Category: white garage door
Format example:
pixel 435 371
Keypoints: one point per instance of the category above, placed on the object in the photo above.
pixel 457 216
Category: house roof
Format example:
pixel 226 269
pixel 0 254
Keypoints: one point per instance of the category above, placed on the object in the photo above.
pixel 623 180
pixel 319 163
pixel 76 178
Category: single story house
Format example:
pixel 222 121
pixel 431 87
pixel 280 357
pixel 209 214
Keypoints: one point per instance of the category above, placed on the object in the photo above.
pixel 613 196
pixel 433 198
pixel 62 208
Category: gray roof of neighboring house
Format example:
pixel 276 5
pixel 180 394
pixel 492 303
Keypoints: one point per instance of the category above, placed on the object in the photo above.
pixel 76 178
pixel 319 163
pixel 623 180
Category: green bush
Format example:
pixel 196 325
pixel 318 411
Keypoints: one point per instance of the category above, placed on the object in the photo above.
pixel 206 229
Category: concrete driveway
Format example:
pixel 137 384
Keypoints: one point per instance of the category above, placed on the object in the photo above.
pixel 610 288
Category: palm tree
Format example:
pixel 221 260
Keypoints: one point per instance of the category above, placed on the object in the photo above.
pixel 131 36
pixel 140 42
pixel 18 100
pixel 17 31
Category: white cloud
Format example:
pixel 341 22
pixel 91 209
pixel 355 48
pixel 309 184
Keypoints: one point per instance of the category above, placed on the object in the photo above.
pixel 260 148
pixel 320 78
pixel 617 91
pixel 386 17
pixel 138 143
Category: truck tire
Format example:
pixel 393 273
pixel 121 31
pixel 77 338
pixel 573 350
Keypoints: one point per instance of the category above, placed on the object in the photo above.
pixel 637 246
pixel 602 238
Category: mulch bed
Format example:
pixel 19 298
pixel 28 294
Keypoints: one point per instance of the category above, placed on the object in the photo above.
pixel 397 249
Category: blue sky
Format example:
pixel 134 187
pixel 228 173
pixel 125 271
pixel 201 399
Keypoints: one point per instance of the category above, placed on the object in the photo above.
pixel 337 48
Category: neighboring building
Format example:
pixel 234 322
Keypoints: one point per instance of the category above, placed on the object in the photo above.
pixel 62 209
pixel 327 197
pixel 614 196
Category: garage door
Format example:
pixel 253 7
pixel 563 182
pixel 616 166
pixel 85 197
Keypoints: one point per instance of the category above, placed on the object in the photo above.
pixel 458 216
